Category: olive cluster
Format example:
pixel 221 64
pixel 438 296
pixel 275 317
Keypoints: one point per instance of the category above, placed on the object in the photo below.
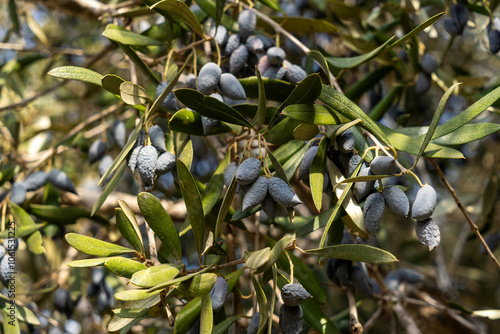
pixel 210 78
pixel 268 191
pixel 37 180
pixel 247 48
pixel 376 196
pixel 151 160
pixel 291 315
pixel 396 200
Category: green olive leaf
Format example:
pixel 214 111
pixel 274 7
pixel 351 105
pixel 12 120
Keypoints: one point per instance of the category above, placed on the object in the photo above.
pixel 434 122
pixel 111 83
pixel 23 219
pixel 160 222
pixel 305 131
pixel 257 260
pixel 260 115
pixel 178 12
pixel 124 267
pixel 64 215
pixel 109 188
pixel 189 122
pixel 340 103
pixel 133 94
pixel 94 246
pixel 468 114
pixel 155 275
pixel 355 252
pixel 262 301
pixel 76 73
pixel 307 91
pixel 223 326
pixel 88 263
pixel 127 225
pixel 210 107
pixel 136 294
pixel 317 173
pixel 312 113
pixel 187 316
pixel 117 34
pixel 23 231
pixel 141 65
pixel 276 90
pixel 119 159
pixel 198 286
pixel 194 205
pixel 206 315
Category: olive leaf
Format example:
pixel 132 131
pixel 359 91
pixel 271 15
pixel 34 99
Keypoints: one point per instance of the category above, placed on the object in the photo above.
pixel 317 173
pixel 76 73
pixel 155 275
pixel 22 218
pixel 127 225
pixel 160 222
pixel 94 246
pixel 355 252
pixel 122 266
pixel 206 316
pixel 194 205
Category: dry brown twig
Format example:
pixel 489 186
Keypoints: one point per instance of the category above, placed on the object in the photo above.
pixel 472 225
pixel 355 326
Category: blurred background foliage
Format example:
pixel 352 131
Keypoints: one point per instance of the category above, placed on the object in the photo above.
pixel 37 112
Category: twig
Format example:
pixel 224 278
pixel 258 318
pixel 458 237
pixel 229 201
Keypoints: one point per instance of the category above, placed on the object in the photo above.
pixel 101 128
pixel 47 154
pixel 356 327
pixel 473 226
pixel 217 267
pixel 27 101
pixel 373 319
pixel 459 247
pixel 50 50
pixel 406 320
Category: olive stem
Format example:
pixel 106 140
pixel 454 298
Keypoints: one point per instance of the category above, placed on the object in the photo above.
pixel 473 226
pixel 416 178
pixel 382 147
pixel 291 265
pixel 217 48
